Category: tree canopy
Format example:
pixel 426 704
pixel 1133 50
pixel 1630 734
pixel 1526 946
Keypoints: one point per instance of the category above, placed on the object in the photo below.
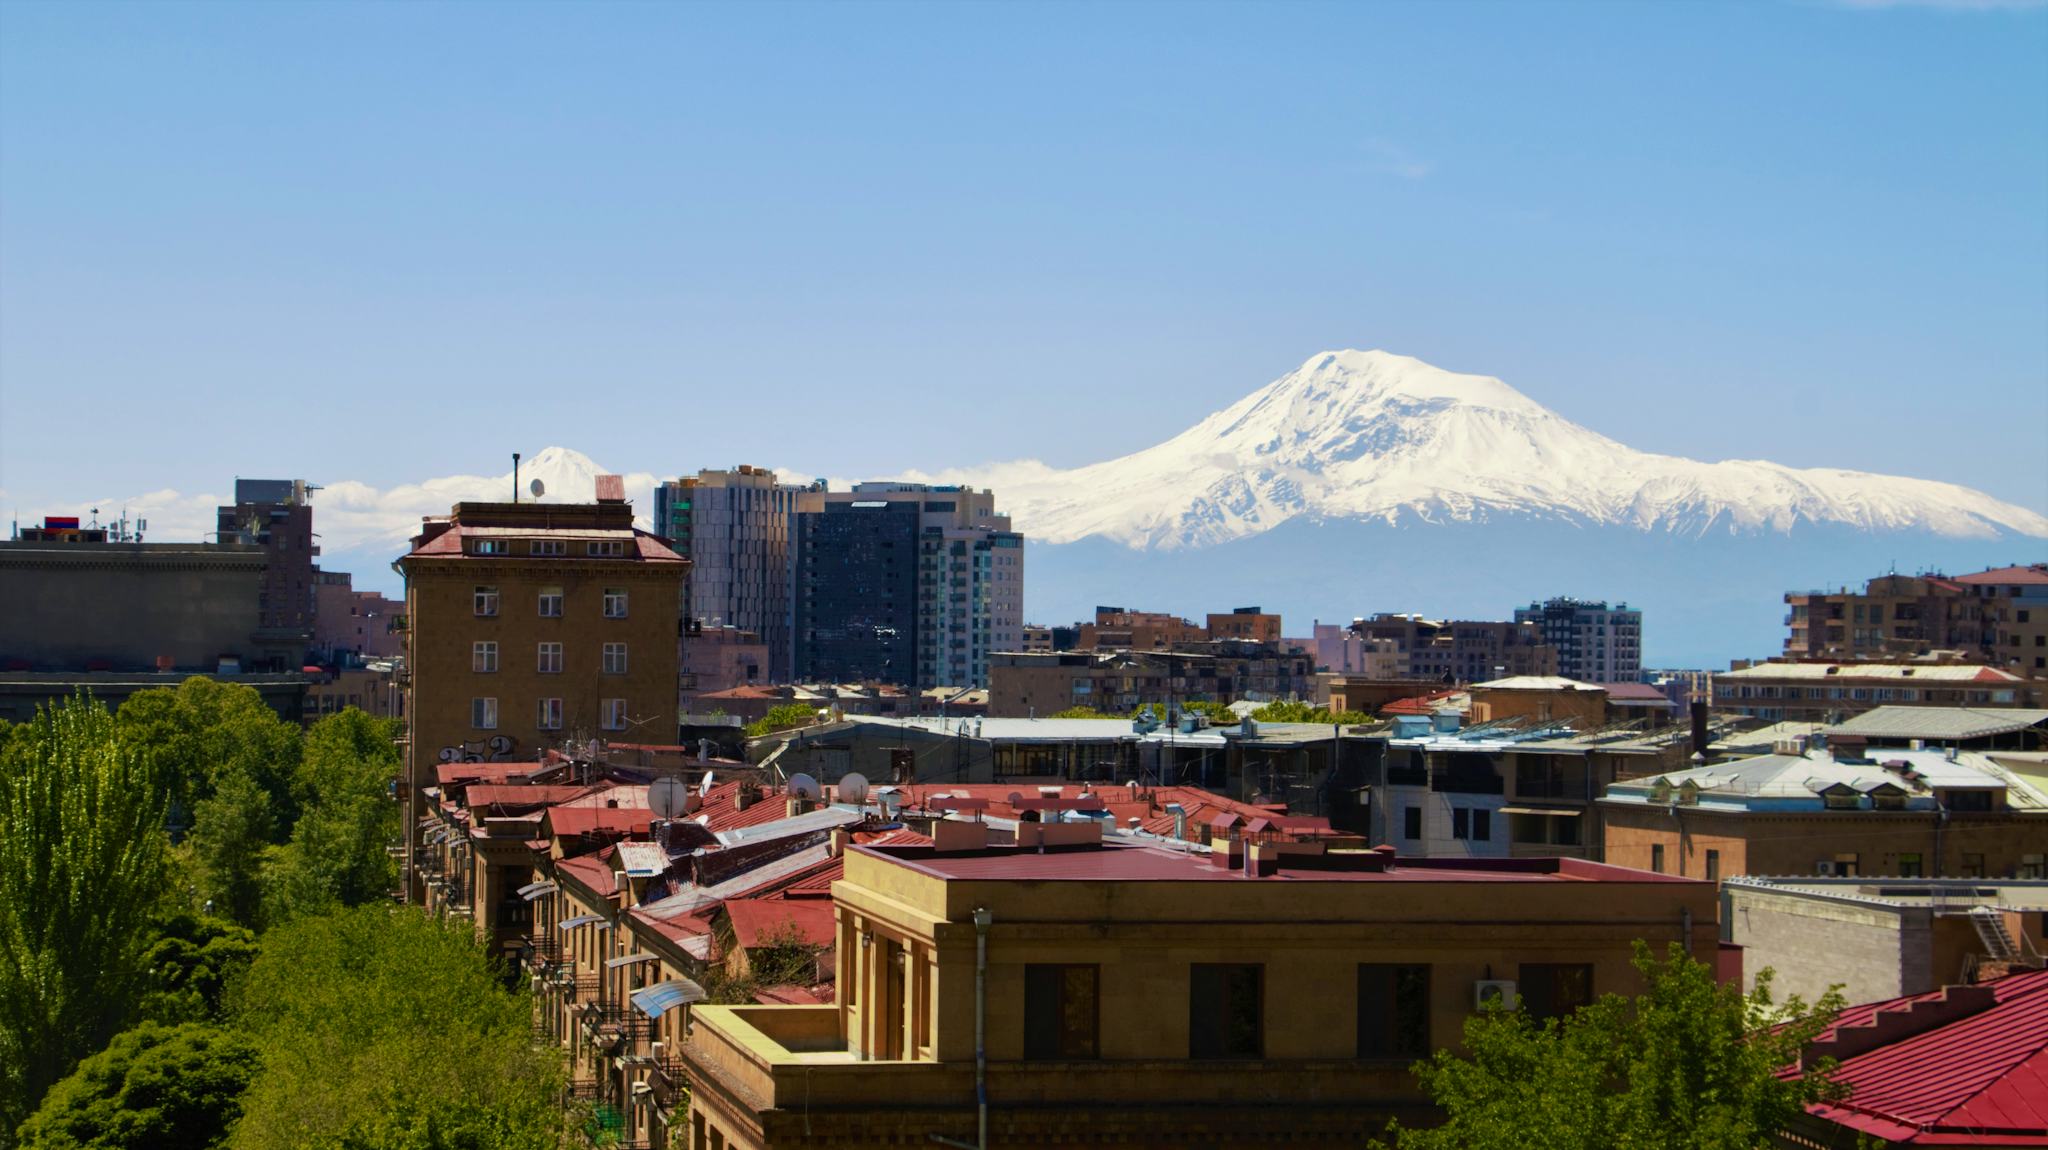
pixel 1690 1064
pixel 787 716
pixel 154 1087
pixel 82 869
pixel 382 1029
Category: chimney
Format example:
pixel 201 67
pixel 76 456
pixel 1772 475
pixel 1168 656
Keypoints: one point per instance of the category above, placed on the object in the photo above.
pixel 743 797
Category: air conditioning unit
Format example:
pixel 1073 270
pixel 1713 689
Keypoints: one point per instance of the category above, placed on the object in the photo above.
pixel 640 1088
pixel 1494 990
pixel 1824 867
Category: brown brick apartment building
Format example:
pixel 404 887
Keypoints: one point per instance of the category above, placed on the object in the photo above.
pixel 532 624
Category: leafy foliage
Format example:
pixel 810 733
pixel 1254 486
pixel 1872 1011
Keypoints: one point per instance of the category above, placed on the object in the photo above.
pixel 154 1087
pixel 231 829
pixel 1684 1066
pixel 336 855
pixel 379 1029
pixel 786 717
pixel 1295 711
pixel 1082 712
pixel 202 732
pixel 189 963
pixel 780 958
pixel 82 868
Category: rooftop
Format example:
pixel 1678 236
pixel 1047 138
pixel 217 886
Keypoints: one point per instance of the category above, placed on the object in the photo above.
pixel 1121 862
pixel 1885 672
pixel 1978 1080
pixel 1947 723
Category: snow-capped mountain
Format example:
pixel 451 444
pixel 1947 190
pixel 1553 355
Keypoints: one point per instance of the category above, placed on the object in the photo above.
pixel 1372 436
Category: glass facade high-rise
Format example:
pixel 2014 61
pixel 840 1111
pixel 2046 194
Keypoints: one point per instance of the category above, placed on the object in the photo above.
pixel 1595 643
pixel 856 593
pixel 734 527
pixel 968 589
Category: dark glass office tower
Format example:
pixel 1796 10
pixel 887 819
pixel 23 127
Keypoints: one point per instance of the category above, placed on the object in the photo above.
pixel 856 593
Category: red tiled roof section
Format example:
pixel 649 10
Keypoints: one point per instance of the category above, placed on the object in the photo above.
pixel 512 795
pixel 1419 704
pixel 577 820
pixel 447 544
pixel 758 921
pixel 450 774
pixel 1147 805
pixel 2035 574
pixel 594 871
pixel 1981 1080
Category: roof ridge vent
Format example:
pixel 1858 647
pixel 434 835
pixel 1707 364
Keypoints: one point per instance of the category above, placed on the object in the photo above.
pixel 1901 1020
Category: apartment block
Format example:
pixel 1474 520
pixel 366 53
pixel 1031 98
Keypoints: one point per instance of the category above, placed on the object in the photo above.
pixel 1136 996
pixel 1999 617
pixel 532 625
pixel 1460 651
pixel 1595 643
pixel 1022 684
pixel 1831 692
pixel 277 516
pixel 355 625
pixel 905 583
pixel 734 527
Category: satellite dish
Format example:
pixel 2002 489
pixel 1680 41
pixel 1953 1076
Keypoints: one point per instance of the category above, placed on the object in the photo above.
pixel 704 788
pixel 803 786
pixel 853 788
pixel 538 488
pixel 668 797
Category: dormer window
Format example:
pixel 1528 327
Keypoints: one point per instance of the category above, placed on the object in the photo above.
pixel 1842 797
pixel 608 548
pixel 547 547
pixel 491 547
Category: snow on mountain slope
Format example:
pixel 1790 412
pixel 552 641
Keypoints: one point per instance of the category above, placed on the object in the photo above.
pixel 1368 435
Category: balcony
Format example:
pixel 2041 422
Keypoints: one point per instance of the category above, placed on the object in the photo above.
pixel 793 1059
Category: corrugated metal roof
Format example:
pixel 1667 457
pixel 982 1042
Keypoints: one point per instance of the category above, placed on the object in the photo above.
pixel 1981 1080
pixel 1888 672
pixel 1897 722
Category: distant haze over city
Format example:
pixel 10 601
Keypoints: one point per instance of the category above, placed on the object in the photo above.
pixel 1371 482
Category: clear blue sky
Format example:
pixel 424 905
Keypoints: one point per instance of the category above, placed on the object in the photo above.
pixel 392 241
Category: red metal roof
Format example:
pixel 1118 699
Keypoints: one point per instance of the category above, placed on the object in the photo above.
pixel 451 773
pixel 448 543
pixel 1981 1080
pixel 2036 573
pixel 755 921
pixel 1146 804
pixel 1123 862
pixel 516 795
pixel 622 821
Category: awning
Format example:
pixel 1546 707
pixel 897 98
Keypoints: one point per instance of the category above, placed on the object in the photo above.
pixel 630 959
pixel 580 920
pixel 663 997
pixel 1553 812
pixel 534 890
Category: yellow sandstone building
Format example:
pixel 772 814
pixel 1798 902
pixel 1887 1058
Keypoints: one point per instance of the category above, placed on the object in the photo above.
pixel 1139 996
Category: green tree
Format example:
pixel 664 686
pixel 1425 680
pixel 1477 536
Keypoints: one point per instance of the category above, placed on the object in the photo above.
pixel 81 870
pixel 786 717
pixel 1296 711
pixel 231 830
pixel 337 856
pixel 1690 1064
pixel 154 1087
pixel 379 1029
pixel 1082 712
pixel 202 732
pixel 189 962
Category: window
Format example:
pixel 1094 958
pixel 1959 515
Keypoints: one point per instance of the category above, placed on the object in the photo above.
pixel 483 714
pixel 483 657
pixel 1713 866
pixel 551 602
pixel 546 547
pixel 608 548
pixel 550 715
pixel 614 658
pixel 484 600
pixel 492 547
pixel 2032 866
pixel 1411 822
pixel 1482 825
pixel 1909 866
pixel 1060 1012
pixel 1555 989
pixel 1225 1010
pixel 1973 865
pixel 1657 857
pixel 1461 823
pixel 1393 1011
pixel 550 658
pixel 614 603
pixel 614 712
